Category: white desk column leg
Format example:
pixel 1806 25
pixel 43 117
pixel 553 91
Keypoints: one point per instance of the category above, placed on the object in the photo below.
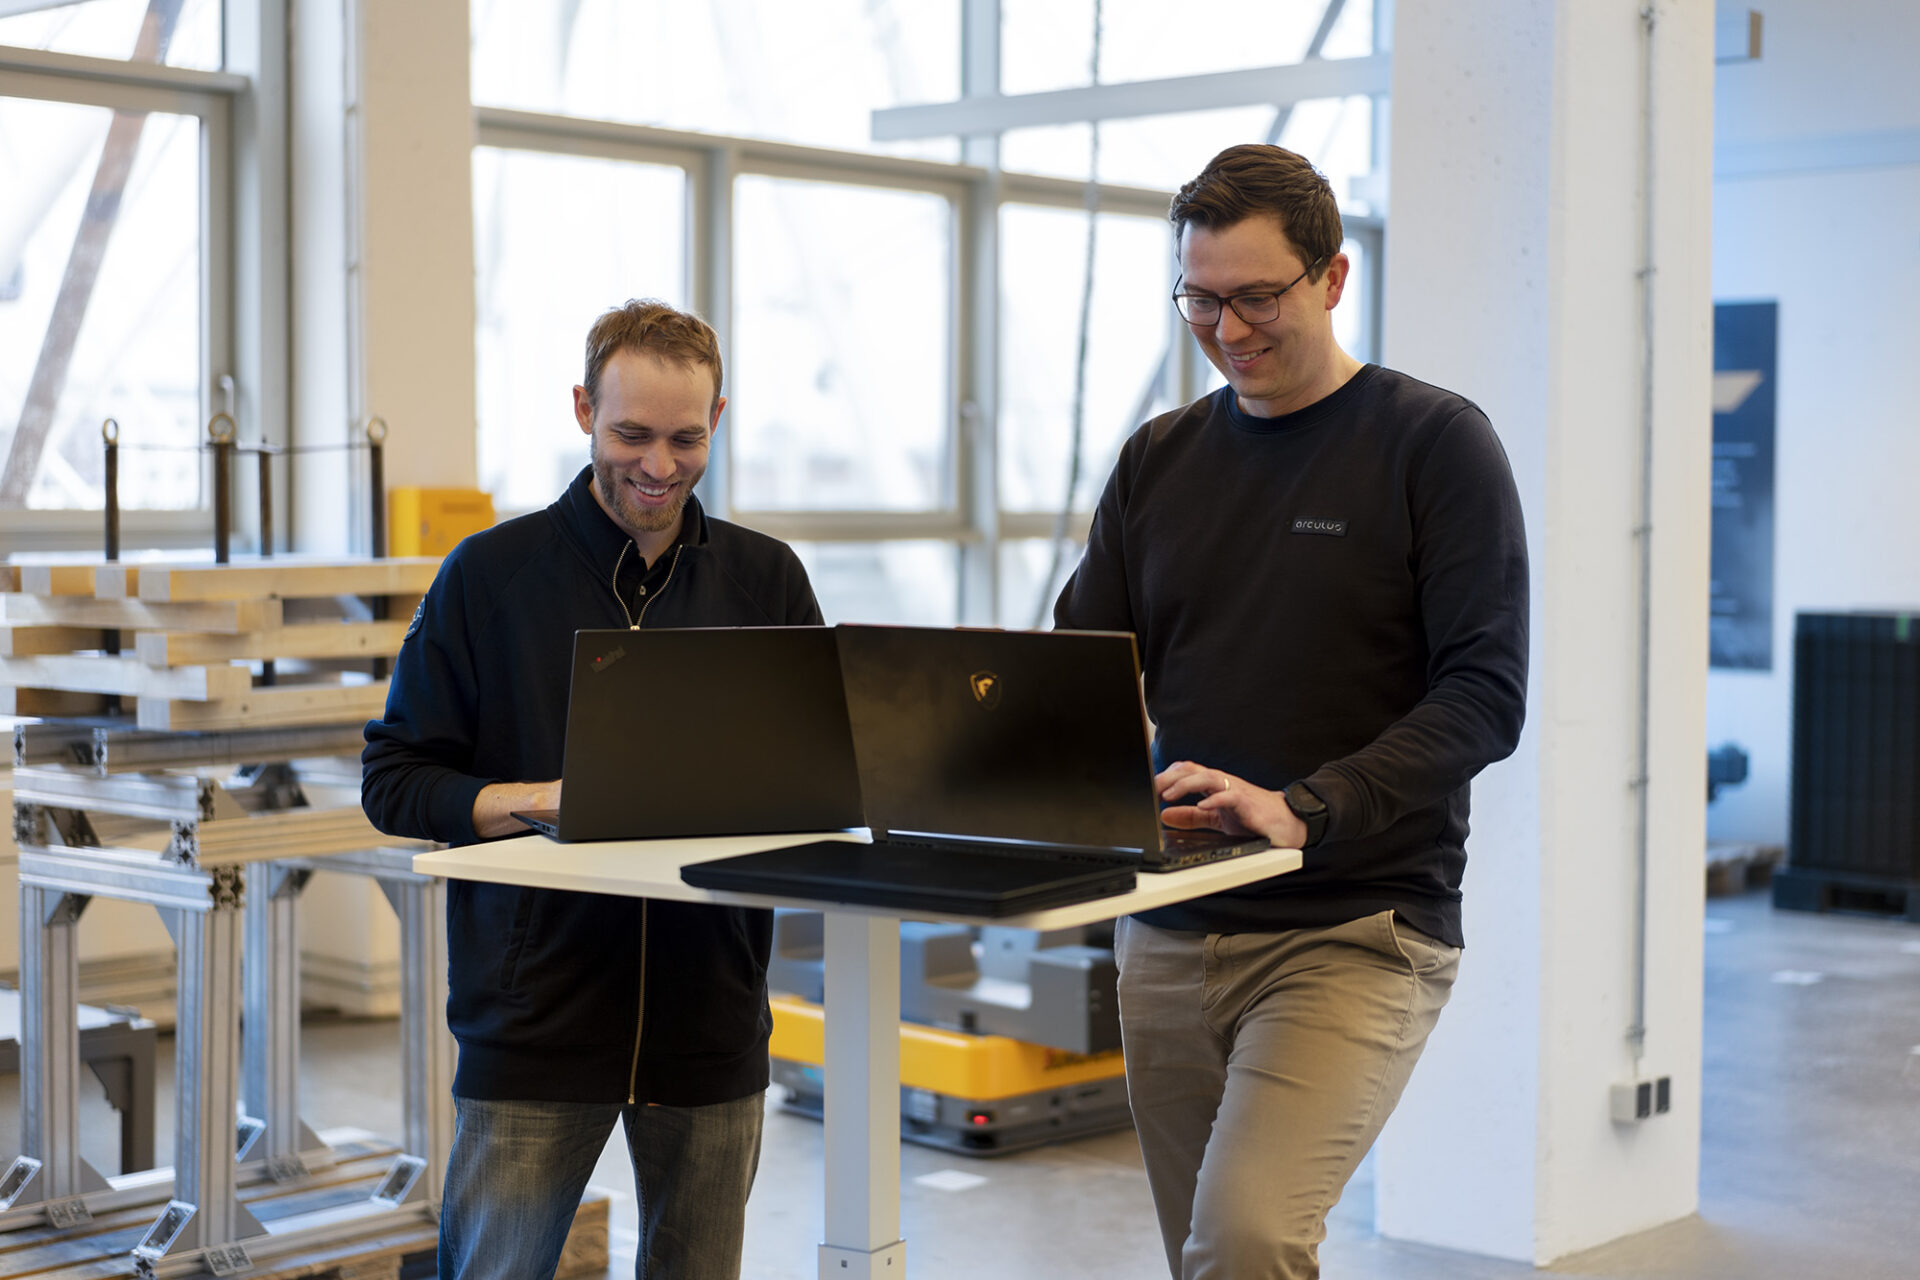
pixel 862 1099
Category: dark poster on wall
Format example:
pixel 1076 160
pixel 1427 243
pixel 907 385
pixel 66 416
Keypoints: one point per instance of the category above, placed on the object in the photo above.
pixel 1745 336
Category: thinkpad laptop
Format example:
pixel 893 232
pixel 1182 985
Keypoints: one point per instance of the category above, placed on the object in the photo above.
pixel 1002 772
pixel 704 732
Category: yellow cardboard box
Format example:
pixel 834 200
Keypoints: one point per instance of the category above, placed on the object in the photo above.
pixel 429 522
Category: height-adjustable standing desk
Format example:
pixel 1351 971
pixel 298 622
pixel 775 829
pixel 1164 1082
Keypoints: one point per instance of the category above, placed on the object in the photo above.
pixel 862 1237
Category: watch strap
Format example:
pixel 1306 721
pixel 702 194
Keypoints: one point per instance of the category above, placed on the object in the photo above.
pixel 1310 809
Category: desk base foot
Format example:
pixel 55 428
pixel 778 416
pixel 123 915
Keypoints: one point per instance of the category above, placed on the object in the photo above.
pixel 888 1262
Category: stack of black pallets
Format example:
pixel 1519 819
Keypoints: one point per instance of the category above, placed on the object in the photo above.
pixel 1854 834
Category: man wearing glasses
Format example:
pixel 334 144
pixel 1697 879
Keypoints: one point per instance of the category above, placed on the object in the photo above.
pixel 1325 566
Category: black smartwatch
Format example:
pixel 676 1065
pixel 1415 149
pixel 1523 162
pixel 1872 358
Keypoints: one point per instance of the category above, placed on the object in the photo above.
pixel 1310 809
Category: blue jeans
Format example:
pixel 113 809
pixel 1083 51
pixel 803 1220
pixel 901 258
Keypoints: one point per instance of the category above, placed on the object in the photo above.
pixel 518 1170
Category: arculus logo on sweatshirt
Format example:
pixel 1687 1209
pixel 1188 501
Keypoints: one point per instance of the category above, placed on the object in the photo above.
pixel 1325 528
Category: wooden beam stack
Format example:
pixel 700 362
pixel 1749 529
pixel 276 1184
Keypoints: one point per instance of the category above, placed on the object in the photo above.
pixel 193 640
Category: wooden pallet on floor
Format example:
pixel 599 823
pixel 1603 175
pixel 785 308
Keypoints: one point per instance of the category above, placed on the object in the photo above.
pixel 1735 868
pixel 186 644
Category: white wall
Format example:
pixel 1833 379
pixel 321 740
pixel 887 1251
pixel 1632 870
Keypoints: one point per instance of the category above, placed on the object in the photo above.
pixel 383 313
pixel 1817 206
pixel 1512 274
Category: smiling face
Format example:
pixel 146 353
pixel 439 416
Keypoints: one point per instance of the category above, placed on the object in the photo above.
pixel 651 425
pixel 1285 363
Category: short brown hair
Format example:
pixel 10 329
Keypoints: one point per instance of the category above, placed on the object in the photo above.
pixel 650 325
pixel 1255 179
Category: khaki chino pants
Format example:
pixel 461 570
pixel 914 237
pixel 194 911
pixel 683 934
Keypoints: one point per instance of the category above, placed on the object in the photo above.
pixel 1260 1067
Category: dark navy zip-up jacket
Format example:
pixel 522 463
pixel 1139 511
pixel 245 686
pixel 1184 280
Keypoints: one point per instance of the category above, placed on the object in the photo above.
pixel 558 996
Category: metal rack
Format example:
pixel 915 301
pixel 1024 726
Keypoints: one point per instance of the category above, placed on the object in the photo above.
pixel 223 860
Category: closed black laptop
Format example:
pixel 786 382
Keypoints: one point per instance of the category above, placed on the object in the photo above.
pixel 704 732
pixel 1002 772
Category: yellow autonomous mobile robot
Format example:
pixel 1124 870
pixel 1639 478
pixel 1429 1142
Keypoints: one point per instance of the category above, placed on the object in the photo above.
pixel 1009 1039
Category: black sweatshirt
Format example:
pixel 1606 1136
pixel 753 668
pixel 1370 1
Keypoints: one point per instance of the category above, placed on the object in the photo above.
pixel 545 986
pixel 1339 597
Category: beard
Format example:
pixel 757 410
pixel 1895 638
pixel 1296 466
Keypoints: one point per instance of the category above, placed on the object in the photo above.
pixel 614 492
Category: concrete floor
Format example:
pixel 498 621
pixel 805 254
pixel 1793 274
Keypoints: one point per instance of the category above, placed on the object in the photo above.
pixel 1810 1166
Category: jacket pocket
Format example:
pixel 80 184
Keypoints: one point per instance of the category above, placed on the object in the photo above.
pixel 707 979
pixel 516 941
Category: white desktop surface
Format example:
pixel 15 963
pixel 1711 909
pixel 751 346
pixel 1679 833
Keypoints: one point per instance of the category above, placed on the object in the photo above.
pixel 862 1220
pixel 651 869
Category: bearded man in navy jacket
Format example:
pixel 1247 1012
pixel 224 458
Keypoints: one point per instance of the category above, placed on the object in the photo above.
pixel 1324 565
pixel 573 1010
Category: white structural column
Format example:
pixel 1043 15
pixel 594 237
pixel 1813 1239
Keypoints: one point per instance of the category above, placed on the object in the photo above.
pixel 1524 208
pixel 383 260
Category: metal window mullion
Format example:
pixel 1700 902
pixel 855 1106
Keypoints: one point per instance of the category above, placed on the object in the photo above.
pixel 1028 188
pixel 977 326
pixel 594 145
pixel 710 235
pixel 861 526
pixel 90 75
pixel 972 342
pixel 948 186
pixel 217 266
pixel 542 132
pixel 164 99
pixel 1019 525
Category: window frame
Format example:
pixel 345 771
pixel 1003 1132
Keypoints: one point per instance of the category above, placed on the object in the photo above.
pixel 209 96
pixel 972 519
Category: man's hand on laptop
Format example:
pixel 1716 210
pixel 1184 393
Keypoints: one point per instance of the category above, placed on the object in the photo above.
pixel 494 807
pixel 1215 799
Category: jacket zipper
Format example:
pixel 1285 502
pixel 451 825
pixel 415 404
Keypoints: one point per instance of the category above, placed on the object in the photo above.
pixel 640 1016
pixel 640 1022
pixel 613 584
pixel 663 586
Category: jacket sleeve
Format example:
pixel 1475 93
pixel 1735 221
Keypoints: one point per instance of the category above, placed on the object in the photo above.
pixel 415 780
pixel 1470 570
pixel 802 610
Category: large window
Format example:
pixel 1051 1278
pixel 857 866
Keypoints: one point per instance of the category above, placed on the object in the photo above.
pixel 899 581
pixel 558 239
pixel 100 309
pixel 114 274
pixel 1042 272
pixel 913 404
pixel 774 69
pixel 843 314
pixel 178 33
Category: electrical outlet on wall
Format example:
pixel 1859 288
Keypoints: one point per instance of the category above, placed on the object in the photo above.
pixel 1637 1100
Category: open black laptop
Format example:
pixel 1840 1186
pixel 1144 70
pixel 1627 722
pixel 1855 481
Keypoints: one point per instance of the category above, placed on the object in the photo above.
pixel 1002 771
pixel 704 732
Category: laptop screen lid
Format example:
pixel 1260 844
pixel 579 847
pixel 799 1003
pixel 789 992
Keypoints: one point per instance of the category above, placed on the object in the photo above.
pixel 1029 737
pixel 706 731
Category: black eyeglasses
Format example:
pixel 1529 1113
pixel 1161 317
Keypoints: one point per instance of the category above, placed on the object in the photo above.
pixel 1254 308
